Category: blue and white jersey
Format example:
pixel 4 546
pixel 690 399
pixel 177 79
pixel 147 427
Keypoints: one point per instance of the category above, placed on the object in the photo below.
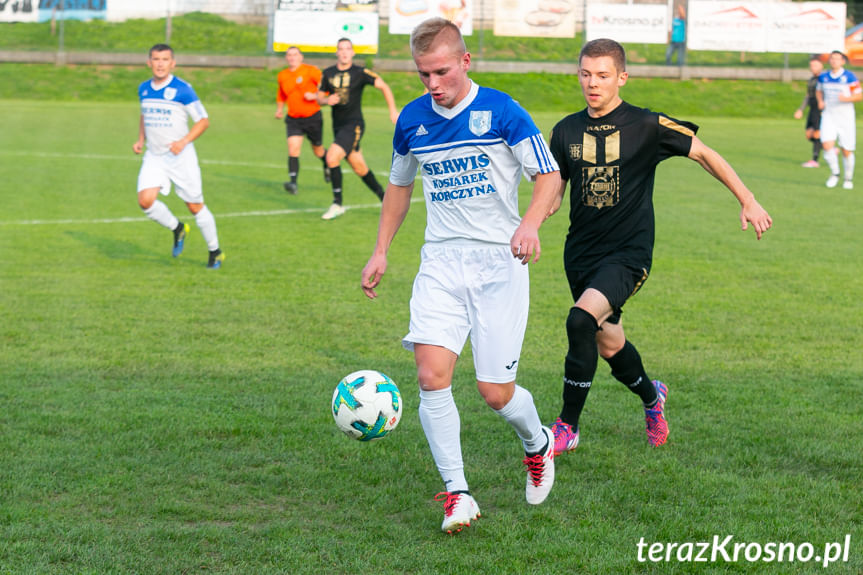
pixel 471 158
pixel 831 87
pixel 166 110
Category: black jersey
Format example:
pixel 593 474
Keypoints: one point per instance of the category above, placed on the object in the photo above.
pixel 610 163
pixel 811 88
pixel 348 84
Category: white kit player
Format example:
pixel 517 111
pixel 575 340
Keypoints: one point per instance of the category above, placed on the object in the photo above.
pixel 837 91
pixel 471 145
pixel 167 104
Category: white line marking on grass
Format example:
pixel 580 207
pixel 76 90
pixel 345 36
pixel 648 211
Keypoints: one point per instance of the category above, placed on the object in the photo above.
pixel 252 214
pixel 132 158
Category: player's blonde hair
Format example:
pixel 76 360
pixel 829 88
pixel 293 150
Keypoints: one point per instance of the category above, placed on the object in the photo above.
pixel 425 35
pixel 605 47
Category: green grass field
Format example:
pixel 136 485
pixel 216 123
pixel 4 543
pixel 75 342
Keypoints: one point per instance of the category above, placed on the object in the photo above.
pixel 159 417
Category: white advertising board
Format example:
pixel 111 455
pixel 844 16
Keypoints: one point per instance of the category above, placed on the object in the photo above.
pixel 723 25
pixel 644 23
pixel 537 18
pixel 320 30
pixel 406 14
pixel 806 27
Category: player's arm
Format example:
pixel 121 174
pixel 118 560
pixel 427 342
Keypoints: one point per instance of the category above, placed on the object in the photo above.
pixel 196 130
pixel 281 98
pixel 855 93
pixel 138 146
pixel 819 95
pixel 388 96
pixel 397 201
pixel 750 210
pixel 525 241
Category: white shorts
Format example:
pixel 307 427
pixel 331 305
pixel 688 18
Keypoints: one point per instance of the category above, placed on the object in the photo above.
pixel 481 291
pixel 158 171
pixel 838 126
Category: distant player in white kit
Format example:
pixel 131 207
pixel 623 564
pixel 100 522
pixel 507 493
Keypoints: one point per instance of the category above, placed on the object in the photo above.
pixel 471 145
pixel 167 104
pixel 837 91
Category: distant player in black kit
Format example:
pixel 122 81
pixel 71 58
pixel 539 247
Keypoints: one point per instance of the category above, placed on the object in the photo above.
pixel 813 118
pixel 609 152
pixel 342 89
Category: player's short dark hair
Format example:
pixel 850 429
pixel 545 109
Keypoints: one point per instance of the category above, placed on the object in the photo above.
pixel 605 47
pixel 161 48
pixel 425 34
pixel 841 53
pixel 344 39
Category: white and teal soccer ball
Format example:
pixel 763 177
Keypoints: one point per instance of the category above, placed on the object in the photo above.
pixel 367 405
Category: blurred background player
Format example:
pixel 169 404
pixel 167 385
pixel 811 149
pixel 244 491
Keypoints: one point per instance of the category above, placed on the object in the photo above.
pixel 167 104
pixel 837 91
pixel 342 89
pixel 677 37
pixel 813 118
pixel 471 144
pixel 608 152
pixel 298 91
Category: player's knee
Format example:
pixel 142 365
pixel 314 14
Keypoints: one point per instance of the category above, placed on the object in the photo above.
pixel 431 379
pixel 580 325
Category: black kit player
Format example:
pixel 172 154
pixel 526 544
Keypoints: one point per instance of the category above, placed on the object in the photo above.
pixel 813 118
pixel 609 152
pixel 342 89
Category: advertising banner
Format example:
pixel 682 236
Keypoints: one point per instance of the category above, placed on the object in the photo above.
pixel 538 18
pixel 406 14
pixel 643 23
pixel 45 10
pixel 806 27
pixel 317 25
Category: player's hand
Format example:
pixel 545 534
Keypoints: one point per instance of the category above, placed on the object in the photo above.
pixel 333 99
pixel 524 244
pixel 278 114
pixel 753 213
pixel 394 116
pixel 138 147
pixel 177 147
pixel 372 274
pixel 798 114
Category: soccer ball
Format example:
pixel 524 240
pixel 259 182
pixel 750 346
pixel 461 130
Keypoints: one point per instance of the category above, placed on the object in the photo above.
pixel 367 405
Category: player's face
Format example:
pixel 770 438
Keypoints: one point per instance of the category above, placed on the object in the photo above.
pixel 837 61
pixel 600 83
pixel 443 72
pixel 345 54
pixel 816 67
pixel 162 64
pixel 294 58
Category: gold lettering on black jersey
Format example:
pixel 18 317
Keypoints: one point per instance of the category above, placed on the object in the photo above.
pixel 600 185
pixel 671 124
pixel 588 151
pixel 342 83
pixel 575 151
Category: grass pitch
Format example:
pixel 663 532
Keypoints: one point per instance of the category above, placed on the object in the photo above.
pixel 159 417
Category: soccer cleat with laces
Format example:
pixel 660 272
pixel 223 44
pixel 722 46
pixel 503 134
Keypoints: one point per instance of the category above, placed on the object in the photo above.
pixel 564 438
pixel 810 164
pixel 334 212
pixel 657 426
pixel 847 185
pixel 540 471
pixel 216 259
pixel 832 181
pixel 459 509
pixel 179 238
pixel 291 188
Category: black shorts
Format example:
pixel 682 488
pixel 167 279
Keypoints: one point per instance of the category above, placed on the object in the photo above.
pixel 617 282
pixel 310 126
pixel 813 120
pixel 348 136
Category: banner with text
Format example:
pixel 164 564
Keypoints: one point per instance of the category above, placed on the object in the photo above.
pixel 406 14
pixel 317 25
pixel 796 27
pixel 45 10
pixel 643 23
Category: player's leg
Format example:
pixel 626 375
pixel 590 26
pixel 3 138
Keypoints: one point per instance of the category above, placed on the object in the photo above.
pixel 829 135
pixel 186 175
pixel 360 167
pixel 315 131
pixel 497 335
pixel 335 154
pixel 848 141
pixel 814 137
pixel 152 180
pixel 295 146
